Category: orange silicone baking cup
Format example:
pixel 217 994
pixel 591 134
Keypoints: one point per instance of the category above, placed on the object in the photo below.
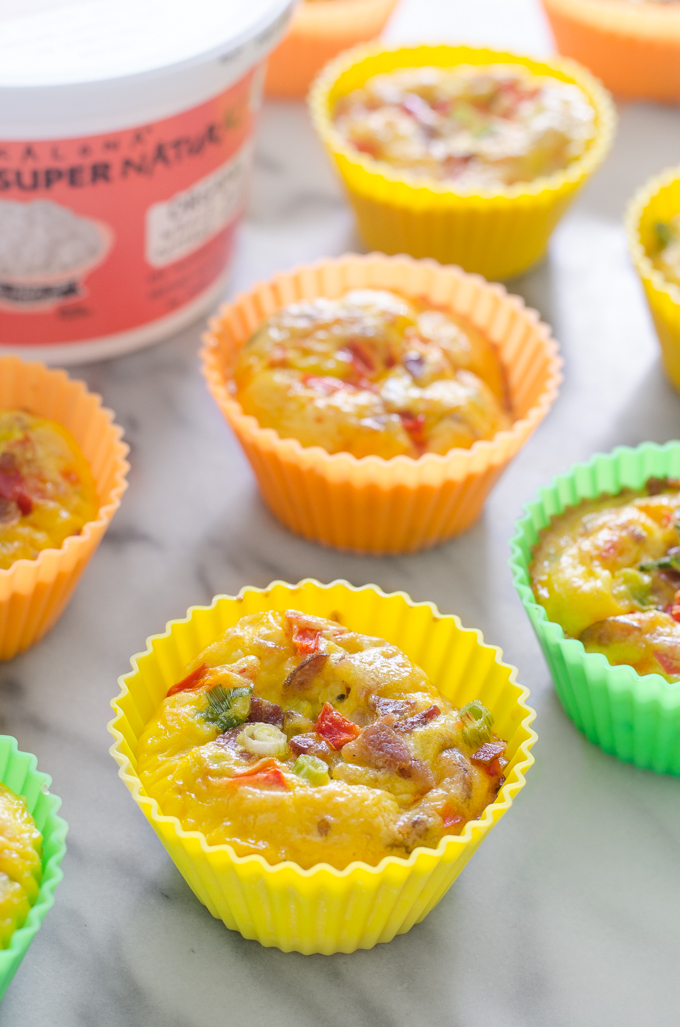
pixel 633 48
pixel 318 32
pixel 373 505
pixel 33 593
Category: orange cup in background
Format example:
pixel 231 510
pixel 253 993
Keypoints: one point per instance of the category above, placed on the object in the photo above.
pixel 34 593
pixel 318 32
pixel 633 48
pixel 373 505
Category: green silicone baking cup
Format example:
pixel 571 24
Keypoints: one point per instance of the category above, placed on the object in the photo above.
pixel 18 771
pixel 633 716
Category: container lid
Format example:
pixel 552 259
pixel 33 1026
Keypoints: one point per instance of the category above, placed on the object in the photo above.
pixel 84 67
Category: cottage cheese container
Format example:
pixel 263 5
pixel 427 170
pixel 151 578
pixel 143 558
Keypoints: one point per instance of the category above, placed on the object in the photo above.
pixel 125 147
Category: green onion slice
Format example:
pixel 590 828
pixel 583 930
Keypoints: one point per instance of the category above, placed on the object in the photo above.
pixel 227 707
pixel 311 769
pixel 477 721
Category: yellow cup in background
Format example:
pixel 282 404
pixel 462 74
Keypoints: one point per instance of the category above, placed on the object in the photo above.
pixel 498 234
pixel 657 200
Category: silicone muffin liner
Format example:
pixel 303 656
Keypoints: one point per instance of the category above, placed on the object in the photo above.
pixel 634 717
pixel 657 200
pixel 634 49
pixel 318 32
pixel 498 234
pixel 33 593
pixel 323 909
pixel 374 505
pixel 18 772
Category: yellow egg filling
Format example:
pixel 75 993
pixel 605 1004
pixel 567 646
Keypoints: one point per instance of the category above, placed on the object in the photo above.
pixel 372 373
pixel 47 491
pixel 475 127
pixel 298 739
pixel 20 863
pixel 608 571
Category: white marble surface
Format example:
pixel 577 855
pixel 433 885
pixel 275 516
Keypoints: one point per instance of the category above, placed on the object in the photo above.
pixel 567 916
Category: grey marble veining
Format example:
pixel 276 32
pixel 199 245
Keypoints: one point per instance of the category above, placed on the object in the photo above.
pixel 567 916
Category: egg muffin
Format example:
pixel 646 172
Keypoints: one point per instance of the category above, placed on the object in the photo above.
pixel 372 373
pixel 475 128
pixel 298 739
pixel 47 491
pixel 20 863
pixel 608 571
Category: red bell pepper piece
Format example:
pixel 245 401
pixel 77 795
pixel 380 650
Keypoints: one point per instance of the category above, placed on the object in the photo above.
pixel 334 728
pixel 306 640
pixel 265 774
pixel 449 816
pixel 415 426
pixel 190 681
pixel 670 664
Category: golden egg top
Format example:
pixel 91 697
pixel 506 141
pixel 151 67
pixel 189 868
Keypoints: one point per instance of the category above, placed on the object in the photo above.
pixel 608 571
pixel 47 491
pixel 20 863
pixel 372 373
pixel 299 739
pixel 477 128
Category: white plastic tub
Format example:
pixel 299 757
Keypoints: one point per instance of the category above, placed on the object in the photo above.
pixel 125 147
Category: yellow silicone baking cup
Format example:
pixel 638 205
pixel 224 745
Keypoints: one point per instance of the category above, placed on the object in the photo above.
pixel 657 200
pixel 323 909
pixel 373 505
pixel 633 48
pixel 499 233
pixel 33 593
pixel 318 32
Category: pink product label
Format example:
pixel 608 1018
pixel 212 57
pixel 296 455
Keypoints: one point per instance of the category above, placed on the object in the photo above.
pixel 107 233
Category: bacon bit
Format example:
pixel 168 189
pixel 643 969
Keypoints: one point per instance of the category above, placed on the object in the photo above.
pixel 306 640
pixel 334 728
pixel 325 384
pixel 362 359
pixel 670 664
pixel 390 707
pixel 264 712
pixel 305 672
pixel 655 486
pixel 379 746
pixel 449 816
pixel 418 719
pixel 488 752
pixel 266 774
pixel 190 681
pixel 414 424
pixel 12 484
pixel 310 744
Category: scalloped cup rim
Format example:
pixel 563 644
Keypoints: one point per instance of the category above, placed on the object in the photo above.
pixel 448 843
pixel 52 872
pixel 633 216
pixel 105 511
pixel 573 173
pixel 621 674
pixel 492 449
